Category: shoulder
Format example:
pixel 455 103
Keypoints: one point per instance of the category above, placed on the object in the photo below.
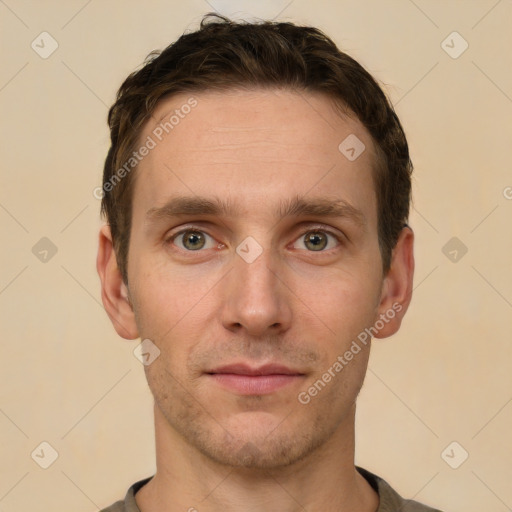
pixel 128 504
pixel 118 506
pixel 390 500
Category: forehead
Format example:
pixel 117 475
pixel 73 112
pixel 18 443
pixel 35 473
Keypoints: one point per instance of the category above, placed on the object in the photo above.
pixel 254 147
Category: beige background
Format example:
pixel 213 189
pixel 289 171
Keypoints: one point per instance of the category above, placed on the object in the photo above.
pixel 69 380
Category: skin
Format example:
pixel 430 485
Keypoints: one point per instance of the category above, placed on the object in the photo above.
pixel 218 450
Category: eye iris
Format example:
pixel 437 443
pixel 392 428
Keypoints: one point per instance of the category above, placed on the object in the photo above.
pixel 193 240
pixel 315 241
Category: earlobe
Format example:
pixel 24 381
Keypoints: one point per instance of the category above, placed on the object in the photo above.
pixel 397 286
pixel 114 292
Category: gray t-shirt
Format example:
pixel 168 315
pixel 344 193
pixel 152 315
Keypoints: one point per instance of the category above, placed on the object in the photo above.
pixel 389 500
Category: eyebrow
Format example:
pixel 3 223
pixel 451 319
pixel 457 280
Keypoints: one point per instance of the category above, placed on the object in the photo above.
pixel 294 207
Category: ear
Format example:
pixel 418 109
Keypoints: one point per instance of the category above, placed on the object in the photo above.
pixel 114 292
pixel 397 286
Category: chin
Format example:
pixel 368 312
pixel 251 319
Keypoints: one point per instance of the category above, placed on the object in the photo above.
pixel 257 448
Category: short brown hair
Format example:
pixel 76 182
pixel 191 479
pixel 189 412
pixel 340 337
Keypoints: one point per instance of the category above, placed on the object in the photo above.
pixel 223 55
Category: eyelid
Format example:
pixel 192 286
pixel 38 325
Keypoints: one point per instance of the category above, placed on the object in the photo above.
pixel 307 227
pixel 312 227
pixel 339 238
pixel 168 239
pixel 183 228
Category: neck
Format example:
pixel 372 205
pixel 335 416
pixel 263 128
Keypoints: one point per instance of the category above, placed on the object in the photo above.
pixel 188 480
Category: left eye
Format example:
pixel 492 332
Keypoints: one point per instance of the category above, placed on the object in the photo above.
pixel 316 241
pixel 193 240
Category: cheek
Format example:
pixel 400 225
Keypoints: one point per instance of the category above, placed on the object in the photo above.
pixel 174 308
pixel 345 303
pixel 165 294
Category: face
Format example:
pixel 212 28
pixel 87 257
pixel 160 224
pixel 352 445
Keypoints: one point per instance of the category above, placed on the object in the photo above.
pixel 254 245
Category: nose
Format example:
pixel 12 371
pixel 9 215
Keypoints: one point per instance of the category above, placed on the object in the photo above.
pixel 256 299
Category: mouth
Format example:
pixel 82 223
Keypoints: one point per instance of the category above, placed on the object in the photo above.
pixel 244 379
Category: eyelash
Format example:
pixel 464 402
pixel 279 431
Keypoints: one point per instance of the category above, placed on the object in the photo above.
pixel 317 229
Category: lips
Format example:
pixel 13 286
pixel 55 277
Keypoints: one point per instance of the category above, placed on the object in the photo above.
pixel 243 379
pixel 244 369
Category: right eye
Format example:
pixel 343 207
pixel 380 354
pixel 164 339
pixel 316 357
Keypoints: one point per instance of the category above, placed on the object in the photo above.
pixel 192 240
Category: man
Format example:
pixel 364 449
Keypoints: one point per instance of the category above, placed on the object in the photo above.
pixel 257 193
